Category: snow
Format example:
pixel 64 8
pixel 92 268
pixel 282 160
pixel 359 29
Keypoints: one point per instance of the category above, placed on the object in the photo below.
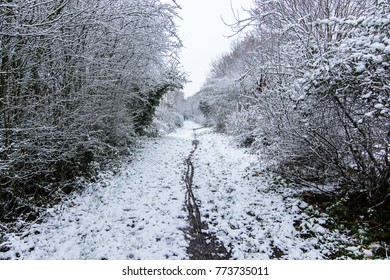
pixel 136 214
pixel 253 212
pixel 139 212
pixel 378 46
pixel 360 67
pixel 379 106
pixel 370 114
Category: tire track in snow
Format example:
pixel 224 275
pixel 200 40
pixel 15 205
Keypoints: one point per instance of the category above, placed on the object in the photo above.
pixel 202 246
pixel 190 201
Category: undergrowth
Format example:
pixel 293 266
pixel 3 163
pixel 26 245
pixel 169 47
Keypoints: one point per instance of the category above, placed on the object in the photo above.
pixel 352 213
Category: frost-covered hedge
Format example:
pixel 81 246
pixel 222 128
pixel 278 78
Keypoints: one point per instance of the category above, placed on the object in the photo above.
pixel 78 81
pixel 308 89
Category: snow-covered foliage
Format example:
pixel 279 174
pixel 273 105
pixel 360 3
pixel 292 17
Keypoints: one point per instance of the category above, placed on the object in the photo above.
pixel 169 114
pixel 308 89
pixel 191 109
pixel 353 79
pixel 79 80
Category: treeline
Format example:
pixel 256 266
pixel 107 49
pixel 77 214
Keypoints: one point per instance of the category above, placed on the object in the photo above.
pixel 79 80
pixel 308 88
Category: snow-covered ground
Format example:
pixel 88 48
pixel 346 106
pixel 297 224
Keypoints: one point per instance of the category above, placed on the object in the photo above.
pixel 139 212
pixel 255 213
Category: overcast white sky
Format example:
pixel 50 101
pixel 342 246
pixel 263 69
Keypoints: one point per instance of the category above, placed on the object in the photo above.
pixel 202 32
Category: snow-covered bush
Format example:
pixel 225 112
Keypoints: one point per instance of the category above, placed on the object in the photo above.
pixel 78 81
pixel 225 89
pixel 169 114
pixel 309 89
pixel 353 78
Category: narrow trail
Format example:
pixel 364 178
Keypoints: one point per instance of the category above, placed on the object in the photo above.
pixel 217 204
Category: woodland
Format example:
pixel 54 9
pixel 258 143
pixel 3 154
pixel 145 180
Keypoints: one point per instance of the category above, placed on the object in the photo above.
pixel 80 81
pixel 305 87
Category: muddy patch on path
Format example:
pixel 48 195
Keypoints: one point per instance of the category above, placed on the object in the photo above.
pixel 202 245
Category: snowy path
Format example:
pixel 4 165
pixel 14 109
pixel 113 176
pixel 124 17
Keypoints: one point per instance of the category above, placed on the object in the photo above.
pixel 139 212
pixel 136 214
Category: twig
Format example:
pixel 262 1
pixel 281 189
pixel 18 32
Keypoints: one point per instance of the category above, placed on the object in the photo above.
pixel 380 203
pixel 304 183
